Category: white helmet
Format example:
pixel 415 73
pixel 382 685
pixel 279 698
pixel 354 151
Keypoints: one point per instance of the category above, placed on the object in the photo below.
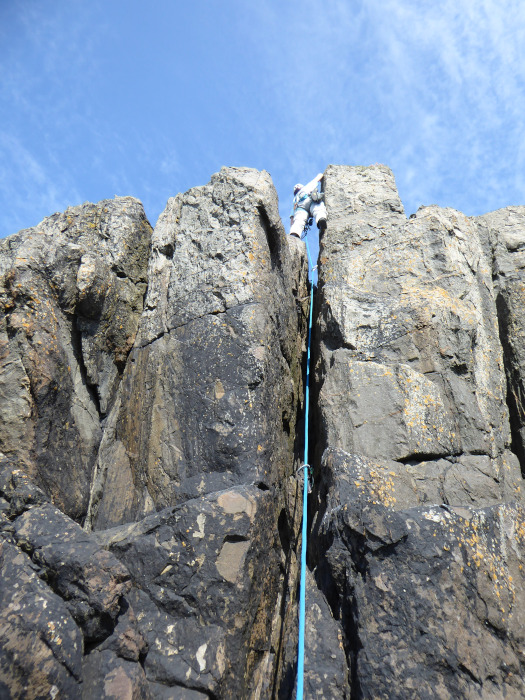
pixel 297 188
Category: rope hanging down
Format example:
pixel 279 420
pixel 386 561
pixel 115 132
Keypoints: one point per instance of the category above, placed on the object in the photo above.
pixel 306 479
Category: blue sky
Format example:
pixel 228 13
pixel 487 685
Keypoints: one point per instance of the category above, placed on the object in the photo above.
pixel 149 99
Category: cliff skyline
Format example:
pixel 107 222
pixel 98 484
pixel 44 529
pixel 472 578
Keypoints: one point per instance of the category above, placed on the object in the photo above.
pixel 151 406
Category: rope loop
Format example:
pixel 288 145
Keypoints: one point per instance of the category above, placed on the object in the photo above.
pixel 306 468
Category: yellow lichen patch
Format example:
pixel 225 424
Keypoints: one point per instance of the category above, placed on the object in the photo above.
pixel 485 550
pixel 425 415
pixel 436 299
pixel 378 485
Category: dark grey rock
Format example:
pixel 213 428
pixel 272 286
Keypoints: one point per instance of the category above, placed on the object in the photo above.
pixel 172 433
pixel 108 677
pixel 325 664
pixel 89 579
pixel 207 406
pixel 203 572
pixel 197 421
pixel 40 645
pixel 431 598
pixel 175 692
pixel 410 363
pixel 504 234
pixel 216 353
pixel 418 527
pixel 18 490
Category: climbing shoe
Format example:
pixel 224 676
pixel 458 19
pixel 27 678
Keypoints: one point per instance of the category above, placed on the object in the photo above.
pixel 321 224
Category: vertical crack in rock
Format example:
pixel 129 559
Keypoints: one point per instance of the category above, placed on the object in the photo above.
pixel 199 443
pixel 515 398
pixel 76 345
pixel 503 233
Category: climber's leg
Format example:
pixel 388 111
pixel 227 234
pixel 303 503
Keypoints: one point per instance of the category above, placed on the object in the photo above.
pixel 299 221
pixel 318 211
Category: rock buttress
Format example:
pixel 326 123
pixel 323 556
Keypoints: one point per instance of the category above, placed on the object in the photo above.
pixel 198 450
pixel 418 536
pixel 71 292
pixel 187 582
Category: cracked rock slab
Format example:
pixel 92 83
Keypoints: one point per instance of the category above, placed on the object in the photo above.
pixel 40 645
pixel 408 330
pixel 205 577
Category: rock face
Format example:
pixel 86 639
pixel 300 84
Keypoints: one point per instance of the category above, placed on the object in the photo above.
pixel 218 352
pixel 151 404
pixel 71 292
pixel 502 232
pixel 418 532
pixel 183 406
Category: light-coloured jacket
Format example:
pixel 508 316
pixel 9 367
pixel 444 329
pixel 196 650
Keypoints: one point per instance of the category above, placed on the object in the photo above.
pixel 302 199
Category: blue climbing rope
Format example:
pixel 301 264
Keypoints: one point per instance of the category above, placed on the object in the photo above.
pixel 306 477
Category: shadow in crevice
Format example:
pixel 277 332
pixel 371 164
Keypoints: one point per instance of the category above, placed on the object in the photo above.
pixel 515 388
pixel 273 237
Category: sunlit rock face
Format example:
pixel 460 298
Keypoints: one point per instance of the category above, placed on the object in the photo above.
pixel 418 532
pixel 71 293
pixel 217 352
pixel 151 426
pixel 151 384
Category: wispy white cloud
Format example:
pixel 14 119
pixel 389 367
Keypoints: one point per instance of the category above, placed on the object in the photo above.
pixel 435 90
pixel 28 185
pixel 39 111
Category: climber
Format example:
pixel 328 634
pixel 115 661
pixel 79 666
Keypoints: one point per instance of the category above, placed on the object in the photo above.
pixel 307 201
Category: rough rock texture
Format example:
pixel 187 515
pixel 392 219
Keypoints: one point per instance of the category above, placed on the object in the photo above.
pixel 503 232
pixel 418 533
pixel 407 311
pixel 217 351
pixel 71 292
pixel 150 427
pixel 326 673
pixel 40 645
pixel 198 569
pixel 203 430
pixel 173 426
pixel 61 594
